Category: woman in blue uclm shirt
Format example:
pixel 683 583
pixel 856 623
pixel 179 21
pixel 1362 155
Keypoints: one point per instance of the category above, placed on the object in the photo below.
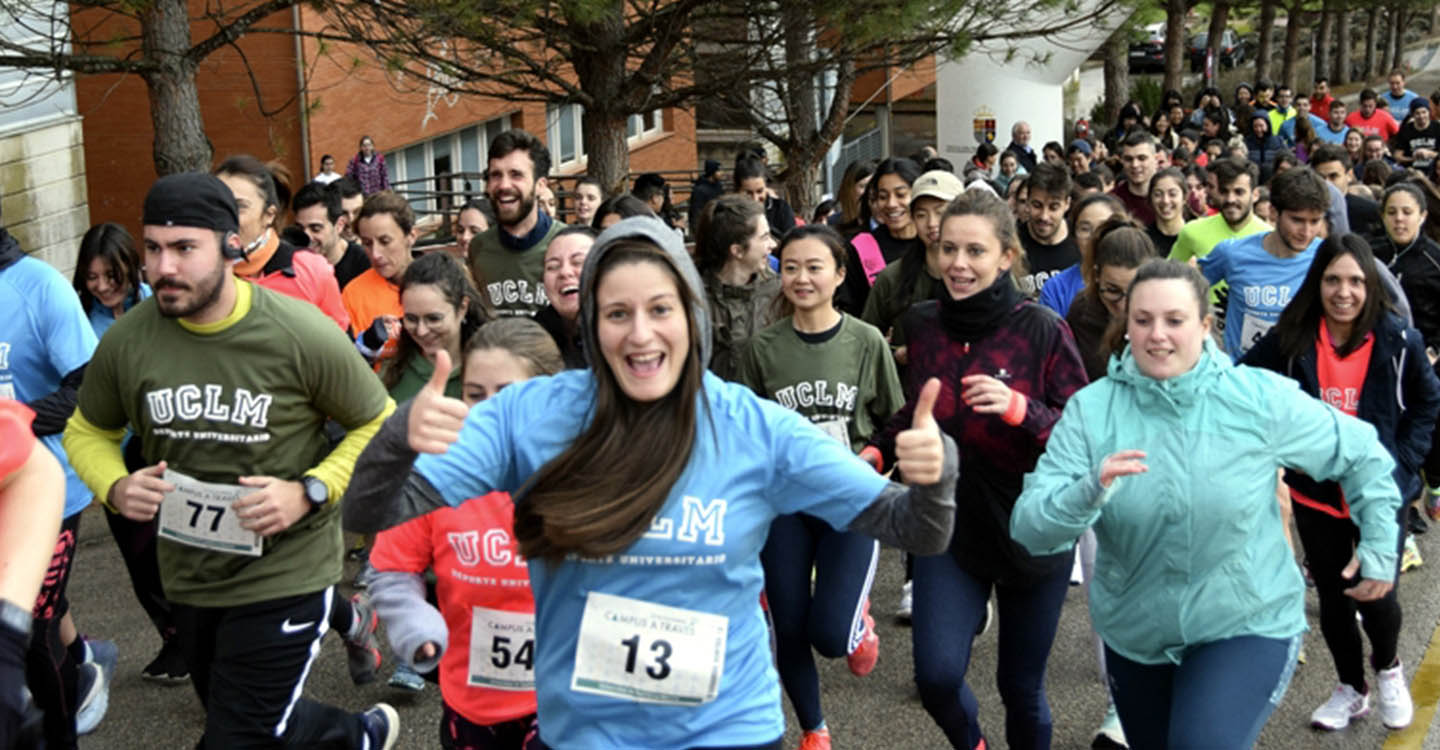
pixel 644 489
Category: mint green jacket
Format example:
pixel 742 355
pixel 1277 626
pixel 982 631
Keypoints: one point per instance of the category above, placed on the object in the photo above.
pixel 1193 551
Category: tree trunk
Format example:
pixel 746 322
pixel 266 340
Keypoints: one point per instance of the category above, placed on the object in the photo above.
pixel 1175 45
pixel 801 104
pixel 1117 72
pixel 1290 56
pixel 180 142
pixel 1262 51
pixel 1398 17
pixel 1340 65
pixel 1322 41
pixel 600 71
pixel 1219 16
pixel 1377 38
pixel 607 152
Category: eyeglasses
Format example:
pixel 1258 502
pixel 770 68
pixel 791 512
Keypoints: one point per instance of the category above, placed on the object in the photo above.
pixel 1112 293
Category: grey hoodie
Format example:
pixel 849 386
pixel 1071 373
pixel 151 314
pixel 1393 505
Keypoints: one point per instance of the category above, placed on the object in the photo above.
pixel 653 231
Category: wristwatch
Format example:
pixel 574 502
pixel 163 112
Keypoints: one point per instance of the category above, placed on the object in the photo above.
pixel 15 617
pixel 315 491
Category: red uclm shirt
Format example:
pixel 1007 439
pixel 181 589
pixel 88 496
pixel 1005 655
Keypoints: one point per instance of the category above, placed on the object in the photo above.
pixel 1341 380
pixel 478 569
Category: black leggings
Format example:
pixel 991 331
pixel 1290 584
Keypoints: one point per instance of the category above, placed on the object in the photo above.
pixel 49 670
pixel 1329 543
pixel 136 540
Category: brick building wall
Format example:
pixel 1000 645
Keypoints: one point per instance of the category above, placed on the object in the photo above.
pixel 347 96
pixel 260 118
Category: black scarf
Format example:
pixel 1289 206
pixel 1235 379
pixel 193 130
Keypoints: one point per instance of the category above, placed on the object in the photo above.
pixel 974 317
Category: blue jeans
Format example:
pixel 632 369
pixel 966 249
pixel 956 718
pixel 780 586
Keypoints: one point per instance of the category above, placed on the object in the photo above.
pixel 1219 696
pixel 949 605
pixel 831 620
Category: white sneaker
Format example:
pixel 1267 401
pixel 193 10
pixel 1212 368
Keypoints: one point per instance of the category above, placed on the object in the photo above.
pixel 907 601
pixel 1110 734
pixel 1344 705
pixel 1396 709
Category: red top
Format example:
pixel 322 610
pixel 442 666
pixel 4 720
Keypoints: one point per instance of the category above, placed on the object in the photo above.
pixel 477 564
pixel 1341 379
pixel 1380 123
pixel 16 438
pixel 311 278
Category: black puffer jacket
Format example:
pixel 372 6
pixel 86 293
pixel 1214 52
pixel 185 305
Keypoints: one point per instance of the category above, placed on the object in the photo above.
pixel 1417 267
pixel 1400 398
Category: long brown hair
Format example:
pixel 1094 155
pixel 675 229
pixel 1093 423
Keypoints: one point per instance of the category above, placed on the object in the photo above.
pixel 599 495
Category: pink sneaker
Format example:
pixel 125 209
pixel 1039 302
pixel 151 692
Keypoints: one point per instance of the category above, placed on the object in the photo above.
pixel 862 659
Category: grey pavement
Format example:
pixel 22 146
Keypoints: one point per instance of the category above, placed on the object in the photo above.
pixel 878 711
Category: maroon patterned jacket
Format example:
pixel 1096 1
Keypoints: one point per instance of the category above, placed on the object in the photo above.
pixel 1032 351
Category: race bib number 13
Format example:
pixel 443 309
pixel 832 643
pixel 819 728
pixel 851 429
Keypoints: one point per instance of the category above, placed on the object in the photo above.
pixel 650 653
pixel 198 514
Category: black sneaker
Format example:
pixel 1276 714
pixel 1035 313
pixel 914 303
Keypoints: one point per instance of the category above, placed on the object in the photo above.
pixel 382 726
pixel 1417 523
pixel 168 666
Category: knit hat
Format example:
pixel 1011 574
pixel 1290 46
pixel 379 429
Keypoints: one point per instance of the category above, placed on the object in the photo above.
pixel 1081 145
pixel 191 199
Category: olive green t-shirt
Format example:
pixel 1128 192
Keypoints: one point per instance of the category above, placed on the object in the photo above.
pixel 417 373
pixel 848 381
pixel 250 399
pixel 511 281
pixel 887 303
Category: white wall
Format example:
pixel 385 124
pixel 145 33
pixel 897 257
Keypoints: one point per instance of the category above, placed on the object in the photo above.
pixel 42 159
pixel 1013 89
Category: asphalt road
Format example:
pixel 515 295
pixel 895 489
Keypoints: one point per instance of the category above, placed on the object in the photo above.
pixel 878 711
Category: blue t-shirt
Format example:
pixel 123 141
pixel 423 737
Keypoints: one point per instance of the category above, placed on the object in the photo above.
pixel 1261 285
pixel 752 460
pixel 1326 135
pixel 43 337
pixel 101 318
pixel 1060 290
pixel 1399 106
pixel 1287 129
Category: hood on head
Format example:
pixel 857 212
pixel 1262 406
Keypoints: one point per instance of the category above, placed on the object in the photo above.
pixel 10 252
pixel 652 230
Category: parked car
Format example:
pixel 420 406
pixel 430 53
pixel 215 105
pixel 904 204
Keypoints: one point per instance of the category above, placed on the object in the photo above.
pixel 1148 55
pixel 1231 53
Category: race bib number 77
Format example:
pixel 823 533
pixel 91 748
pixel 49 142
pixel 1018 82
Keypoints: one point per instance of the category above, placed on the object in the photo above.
pixel 198 514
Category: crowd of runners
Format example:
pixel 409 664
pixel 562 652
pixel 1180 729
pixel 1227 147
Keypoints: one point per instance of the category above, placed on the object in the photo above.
pixel 620 472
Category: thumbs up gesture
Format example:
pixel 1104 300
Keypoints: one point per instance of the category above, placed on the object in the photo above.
pixel 919 451
pixel 436 419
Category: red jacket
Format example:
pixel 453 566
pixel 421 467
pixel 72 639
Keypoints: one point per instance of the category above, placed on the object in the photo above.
pixel 304 275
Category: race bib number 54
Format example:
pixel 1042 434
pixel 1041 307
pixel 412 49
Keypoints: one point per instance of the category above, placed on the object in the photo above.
pixel 502 649
pixel 650 653
pixel 198 514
